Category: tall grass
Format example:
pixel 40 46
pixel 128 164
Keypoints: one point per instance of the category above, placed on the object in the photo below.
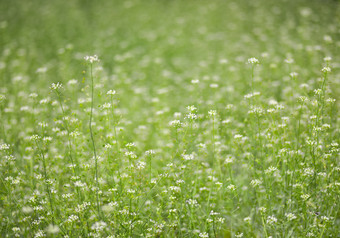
pixel 201 119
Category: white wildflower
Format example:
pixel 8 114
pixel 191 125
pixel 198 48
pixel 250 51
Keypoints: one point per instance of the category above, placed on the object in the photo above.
pixel 56 86
pixel 111 92
pixel 91 59
pixel 326 69
pixel 271 220
pixel 253 61
pixel 290 216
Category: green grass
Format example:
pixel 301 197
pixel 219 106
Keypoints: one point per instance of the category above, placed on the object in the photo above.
pixel 200 119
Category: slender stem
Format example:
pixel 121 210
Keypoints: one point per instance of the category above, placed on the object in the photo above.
pixel 264 226
pixel 69 145
pixel 46 181
pixel 252 84
pixel 114 125
pixel 93 144
pixel 322 97
pixel 150 167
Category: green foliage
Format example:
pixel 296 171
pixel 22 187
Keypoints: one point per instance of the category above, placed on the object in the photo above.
pixel 197 119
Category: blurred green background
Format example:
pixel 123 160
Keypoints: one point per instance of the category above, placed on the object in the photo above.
pixel 146 46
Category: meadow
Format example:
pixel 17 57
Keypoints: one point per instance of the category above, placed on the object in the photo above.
pixel 169 118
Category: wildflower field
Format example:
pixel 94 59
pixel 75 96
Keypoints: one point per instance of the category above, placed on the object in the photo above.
pixel 169 118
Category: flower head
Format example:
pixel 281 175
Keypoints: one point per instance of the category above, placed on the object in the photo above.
pixel 253 61
pixel 326 69
pixel 56 86
pixel 111 92
pixel 91 59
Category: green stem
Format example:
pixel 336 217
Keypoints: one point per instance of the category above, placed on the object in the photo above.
pixel 46 182
pixel 93 144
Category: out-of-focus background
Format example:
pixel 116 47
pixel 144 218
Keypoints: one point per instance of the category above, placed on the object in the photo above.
pixel 210 118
